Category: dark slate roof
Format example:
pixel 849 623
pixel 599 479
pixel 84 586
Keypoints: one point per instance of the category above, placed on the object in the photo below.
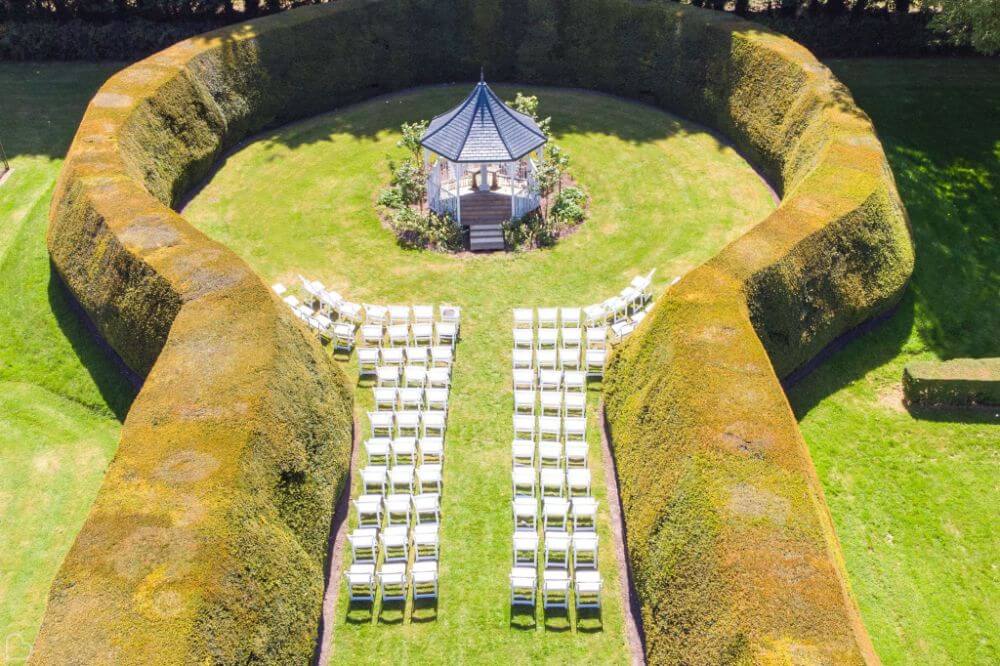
pixel 482 129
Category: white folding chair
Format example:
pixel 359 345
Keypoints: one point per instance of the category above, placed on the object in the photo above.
pixel 621 330
pixel 550 454
pixel 548 317
pixel 632 297
pixel 414 375
pixel 423 314
pixel 367 361
pixel 524 402
pixel 569 358
pixel 397 509
pixel 433 424
pixel 394 582
pixel 385 398
pixel 442 356
pixel 427 508
pixel 524 318
pixel 643 283
pixel 557 546
pixel 576 454
pixel 423 334
pixel 570 318
pixel 578 481
pixel 426 541
pixel 597 337
pixel 571 337
pixel 549 428
pixel 446 333
pixel 404 451
pixel 361 582
pixel 525 513
pixel 553 482
pixel 523 453
pixel 547 338
pixel 369 510
pixel 575 429
pixel 411 398
pixel 550 380
pixel 429 478
pixel 279 288
pixel 399 335
pixel 575 381
pixel 546 359
pixel 392 356
pixel 417 356
pixel 381 423
pixel 343 337
pixel 585 550
pixel 373 479
pixel 595 362
pixel 594 315
pixel 574 403
pixel 401 478
pixel 523 359
pixel 399 315
pixel 523 481
pixel 331 301
pixel 588 589
pixel 424 579
pixel 438 377
pixel 387 375
pixel 555 513
pixel 523 582
pixel 584 514
pixel 551 403
pixel 349 311
pixel 451 314
pixel 376 314
pixel 525 548
pixel 436 399
pixel 407 424
pixel 364 544
pixel 524 338
pixel 396 543
pixel 377 450
pixel 431 450
pixel 524 379
pixel 291 301
pixel 616 307
pixel 524 426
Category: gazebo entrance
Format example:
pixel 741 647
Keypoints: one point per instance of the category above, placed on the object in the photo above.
pixel 477 157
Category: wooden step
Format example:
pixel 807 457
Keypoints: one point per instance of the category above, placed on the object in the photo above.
pixel 486 237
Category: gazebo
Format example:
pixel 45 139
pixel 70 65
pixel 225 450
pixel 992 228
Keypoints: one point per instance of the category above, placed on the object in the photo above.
pixel 477 157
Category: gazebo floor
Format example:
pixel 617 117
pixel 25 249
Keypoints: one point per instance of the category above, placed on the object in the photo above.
pixel 485 208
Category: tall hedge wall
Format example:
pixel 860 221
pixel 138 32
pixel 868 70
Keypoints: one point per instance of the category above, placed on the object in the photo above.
pixel 207 538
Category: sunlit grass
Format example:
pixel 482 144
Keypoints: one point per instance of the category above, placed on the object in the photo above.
pixel 914 498
pixel 664 195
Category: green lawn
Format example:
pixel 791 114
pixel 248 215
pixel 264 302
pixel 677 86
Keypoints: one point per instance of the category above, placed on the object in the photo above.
pixel 664 195
pixel 914 496
pixel 60 399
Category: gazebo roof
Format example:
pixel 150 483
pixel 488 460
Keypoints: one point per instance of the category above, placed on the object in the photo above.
pixel 482 129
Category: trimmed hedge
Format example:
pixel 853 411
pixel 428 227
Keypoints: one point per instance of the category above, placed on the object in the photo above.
pixel 206 541
pixel 959 382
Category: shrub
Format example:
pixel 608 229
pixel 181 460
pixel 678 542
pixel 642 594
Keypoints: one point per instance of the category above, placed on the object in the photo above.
pixel 415 230
pixel 960 381
pixel 569 208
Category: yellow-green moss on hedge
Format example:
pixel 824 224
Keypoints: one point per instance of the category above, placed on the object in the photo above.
pixel 206 541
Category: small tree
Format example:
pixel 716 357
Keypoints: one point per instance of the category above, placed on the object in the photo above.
pixel 528 105
pixel 975 22
pixel 412 132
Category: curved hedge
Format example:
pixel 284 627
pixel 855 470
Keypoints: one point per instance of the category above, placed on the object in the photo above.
pixel 207 538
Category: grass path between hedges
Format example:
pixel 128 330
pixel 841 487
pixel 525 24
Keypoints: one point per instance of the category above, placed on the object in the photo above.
pixel 914 496
pixel 664 195
pixel 59 397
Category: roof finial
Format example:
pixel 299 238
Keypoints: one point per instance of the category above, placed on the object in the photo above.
pixel 482 74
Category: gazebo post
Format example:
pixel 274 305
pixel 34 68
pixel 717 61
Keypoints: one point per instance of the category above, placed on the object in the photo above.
pixel 511 172
pixel 458 194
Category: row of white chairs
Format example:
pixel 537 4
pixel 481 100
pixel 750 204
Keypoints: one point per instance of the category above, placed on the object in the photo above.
pixel 591 362
pixel 438 356
pixel 571 381
pixel 550 338
pixel 557 513
pixel 550 481
pixel 410 398
pixel 402 335
pixel 395 543
pixel 629 299
pixel 402 479
pixel 556 588
pixel 556 428
pixel 550 402
pixel 412 376
pixel 549 453
pixel 404 450
pixel 409 423
pixel 394 580
pixel 399 508
pixel 559 548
